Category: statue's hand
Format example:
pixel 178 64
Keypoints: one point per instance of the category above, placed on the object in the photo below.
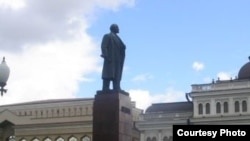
pixel 102 56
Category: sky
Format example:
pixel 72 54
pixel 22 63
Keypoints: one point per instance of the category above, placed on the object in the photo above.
pixel 53 47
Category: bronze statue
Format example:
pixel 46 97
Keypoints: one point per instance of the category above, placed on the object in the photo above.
pixel 113 52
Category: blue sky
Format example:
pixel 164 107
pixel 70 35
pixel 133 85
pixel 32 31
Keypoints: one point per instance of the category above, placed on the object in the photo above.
pixel 53 48
pixel 165 38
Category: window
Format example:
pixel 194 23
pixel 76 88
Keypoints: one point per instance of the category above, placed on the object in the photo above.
pixel 207 108
pixel 12 138
pixel 148 139
pixel 47 139
pixel 35 139
pixel 218 108
pixel 237 106
pixel 154 139
pixel 86 138
pixel 72 139
pixel 170 138
pixel 225 107
pixel 165 138
pixel 60 139
pixel 200 108
pixel 244 106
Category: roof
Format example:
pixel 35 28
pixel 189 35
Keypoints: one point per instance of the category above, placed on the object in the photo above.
pixel 170 107
pixel 49 101
pixel 244 72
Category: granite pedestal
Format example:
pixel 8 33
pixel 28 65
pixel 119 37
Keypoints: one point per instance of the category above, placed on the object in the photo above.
pixel 112 116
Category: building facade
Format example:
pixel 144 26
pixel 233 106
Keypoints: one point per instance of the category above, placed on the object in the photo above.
pixel 219 102
pixel 51 120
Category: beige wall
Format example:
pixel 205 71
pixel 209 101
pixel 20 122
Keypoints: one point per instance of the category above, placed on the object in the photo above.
pixel 50 120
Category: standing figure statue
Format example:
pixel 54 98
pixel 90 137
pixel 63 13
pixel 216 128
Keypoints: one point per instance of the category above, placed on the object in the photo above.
pixel 113 52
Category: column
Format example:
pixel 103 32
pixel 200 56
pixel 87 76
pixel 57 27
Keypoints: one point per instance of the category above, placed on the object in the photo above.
pixel 142 136
pixel 159 135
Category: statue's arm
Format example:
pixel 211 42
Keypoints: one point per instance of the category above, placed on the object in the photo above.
pixel 104 46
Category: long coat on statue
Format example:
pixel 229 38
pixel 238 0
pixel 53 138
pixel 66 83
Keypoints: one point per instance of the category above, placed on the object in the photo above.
pixel 113 52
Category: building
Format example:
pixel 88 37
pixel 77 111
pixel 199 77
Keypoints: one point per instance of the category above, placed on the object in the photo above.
pixel 51 120
pixel 219 102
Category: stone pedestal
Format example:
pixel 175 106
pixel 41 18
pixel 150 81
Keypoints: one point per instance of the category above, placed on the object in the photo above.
pixel 112 116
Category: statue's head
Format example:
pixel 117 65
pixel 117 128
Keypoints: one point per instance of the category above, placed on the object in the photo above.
pixel 114 28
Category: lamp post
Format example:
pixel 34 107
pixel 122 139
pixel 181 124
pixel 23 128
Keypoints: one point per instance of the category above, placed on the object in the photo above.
pixel 4 75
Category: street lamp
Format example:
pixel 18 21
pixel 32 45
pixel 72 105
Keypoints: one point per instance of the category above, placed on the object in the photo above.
pixel 4 75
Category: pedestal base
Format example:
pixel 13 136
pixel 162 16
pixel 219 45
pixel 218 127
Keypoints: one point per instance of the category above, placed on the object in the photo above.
pixel 112 116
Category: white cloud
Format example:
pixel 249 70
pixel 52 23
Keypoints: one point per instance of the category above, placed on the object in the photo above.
pixel 141 97
pixel 47 47
pixel 144 98
pixel 142 77
pixel 45 20
pixel 198 66
pixel 12 4
pixel 50 70
pixel 114 4
pixel 224 76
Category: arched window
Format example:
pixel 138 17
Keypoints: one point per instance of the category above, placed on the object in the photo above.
pixel 23 139
pixel 218 108
pixel 244 106
pixel 11 138
pixel 60 139
pixel 47 139
pixel 35 139
pixel 170 138
pixel 207 108
pixel 200 109
pixel 236 106
pixel 86 138
pixel 225 107
pixel 165 138
pixel 148 139
pixel 72 139
pixel 154 139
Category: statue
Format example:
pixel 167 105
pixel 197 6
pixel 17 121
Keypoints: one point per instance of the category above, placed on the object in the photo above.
pixel 113 53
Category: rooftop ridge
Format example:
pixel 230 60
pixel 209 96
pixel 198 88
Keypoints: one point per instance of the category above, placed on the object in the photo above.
pixel 46 101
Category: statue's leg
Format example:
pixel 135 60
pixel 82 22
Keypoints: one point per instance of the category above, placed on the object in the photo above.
pixel 116 85
pixel 106 83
